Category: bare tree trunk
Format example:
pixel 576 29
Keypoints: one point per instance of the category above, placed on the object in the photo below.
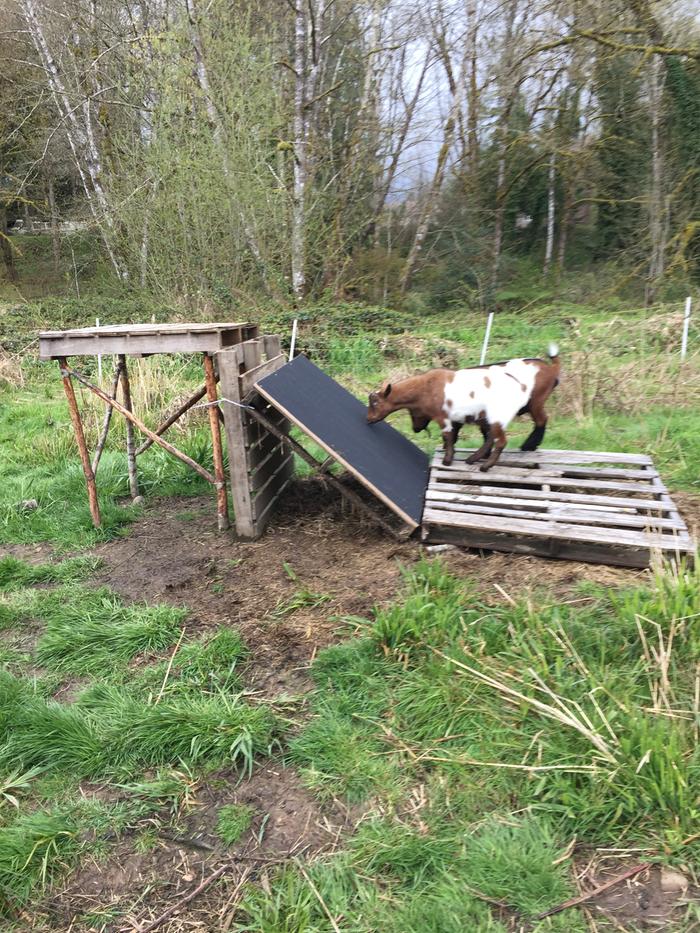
pixel 80 138
pixel 564 222
pixel 430 201
pixel 390 173
pixel 472 91
pixel 549 245
pixel 53 214
pixel 657 224
pixel 300 155
pixel 6 248
pixel 500 208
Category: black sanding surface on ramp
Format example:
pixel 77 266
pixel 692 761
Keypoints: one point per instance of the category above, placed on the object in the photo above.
pixel 381 458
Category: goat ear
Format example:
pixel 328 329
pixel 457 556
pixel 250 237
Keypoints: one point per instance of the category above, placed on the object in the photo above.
pixel 387 390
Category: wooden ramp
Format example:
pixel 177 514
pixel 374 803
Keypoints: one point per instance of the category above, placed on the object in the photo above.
pixel 381 458
pixel 607 508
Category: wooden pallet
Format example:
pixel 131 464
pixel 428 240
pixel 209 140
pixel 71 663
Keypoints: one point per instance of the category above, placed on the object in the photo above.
pixel 608 508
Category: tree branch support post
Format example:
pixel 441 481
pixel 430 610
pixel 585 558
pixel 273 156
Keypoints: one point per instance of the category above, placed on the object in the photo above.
pixel 130 416
pixel 80 438
pixel 107 419
pixel 130 444
pixel 221 496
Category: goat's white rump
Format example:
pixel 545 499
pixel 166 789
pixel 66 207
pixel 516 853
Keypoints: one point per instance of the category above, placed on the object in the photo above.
pixel 494 393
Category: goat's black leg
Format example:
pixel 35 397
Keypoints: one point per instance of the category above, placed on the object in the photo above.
pixel 535 438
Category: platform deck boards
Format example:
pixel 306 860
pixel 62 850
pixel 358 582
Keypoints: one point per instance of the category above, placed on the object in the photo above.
pixel 579 505
pixel 143 339
pixel 382 459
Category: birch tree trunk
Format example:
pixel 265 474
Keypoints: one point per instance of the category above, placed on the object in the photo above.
pixel 431 200
pixel 551 205
pixel 53 215
pixel 298 253
pixel 657 225
pixel 80 137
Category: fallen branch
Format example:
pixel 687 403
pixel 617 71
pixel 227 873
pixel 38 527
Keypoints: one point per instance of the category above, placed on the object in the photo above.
pixel 575 901
pixel 209 880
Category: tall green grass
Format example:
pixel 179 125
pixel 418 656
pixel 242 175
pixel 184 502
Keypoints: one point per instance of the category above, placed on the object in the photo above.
pixel 491 738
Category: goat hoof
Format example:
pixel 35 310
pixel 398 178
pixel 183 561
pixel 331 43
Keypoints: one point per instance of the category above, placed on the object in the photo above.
pixel 528 447
pixel 472 459
pixel 485 468
pixel 447 461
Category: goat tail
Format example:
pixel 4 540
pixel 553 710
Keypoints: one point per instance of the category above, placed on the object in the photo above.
pixel 553 352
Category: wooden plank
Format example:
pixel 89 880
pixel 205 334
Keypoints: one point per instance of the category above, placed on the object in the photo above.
pixel 269 467
pixel 547 469
pixel 270 489
pixel 120 329
pixel 608 519
pixel 559 550
pixel 474 493
pixel 272 346
pixel 250 377
pixel 252 354
pixel 235 424
pixel 436 493
pixel 560 456
pixel 130 344
pixel 262 450
pixel 538 478
pixel 558 530
pixel 264 504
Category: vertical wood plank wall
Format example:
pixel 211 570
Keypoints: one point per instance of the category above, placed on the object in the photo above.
pixel 260 465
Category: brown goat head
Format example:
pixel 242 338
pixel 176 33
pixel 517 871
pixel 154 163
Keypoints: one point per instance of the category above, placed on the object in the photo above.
pixel 379 405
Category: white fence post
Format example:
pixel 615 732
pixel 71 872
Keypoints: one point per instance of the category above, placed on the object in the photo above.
pixel 686 327
pixel 294 339
pixel 486 338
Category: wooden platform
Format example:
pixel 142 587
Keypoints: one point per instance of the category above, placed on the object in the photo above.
pixel 143 339
pixel 608 508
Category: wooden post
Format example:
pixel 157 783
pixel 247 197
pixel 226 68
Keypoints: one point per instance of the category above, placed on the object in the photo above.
pixel 235 422
pixel 130 445
pixel 80 438
pixel 221 496
pixel 107 419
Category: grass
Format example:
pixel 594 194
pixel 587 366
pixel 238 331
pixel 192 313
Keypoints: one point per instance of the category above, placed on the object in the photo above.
pixel 492 739
pixel 16 573
pixel 232 821
pixel 485 745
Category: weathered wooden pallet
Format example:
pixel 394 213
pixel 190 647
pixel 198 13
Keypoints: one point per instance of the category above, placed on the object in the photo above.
pixel 143 339
pixel 575 505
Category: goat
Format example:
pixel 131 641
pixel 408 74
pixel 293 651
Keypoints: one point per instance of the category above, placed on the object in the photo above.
pixel 489 396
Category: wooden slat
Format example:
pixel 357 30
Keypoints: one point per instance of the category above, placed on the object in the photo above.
pixel 250 377
pixel 269 467
pixel 591 472
pixel 559 530
pixel 262 450
pixel 474 492
pixel 272 487
pixel 562 456
pixel 121 329
pixel 538 478
pixel 563 514
pixel 541 547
